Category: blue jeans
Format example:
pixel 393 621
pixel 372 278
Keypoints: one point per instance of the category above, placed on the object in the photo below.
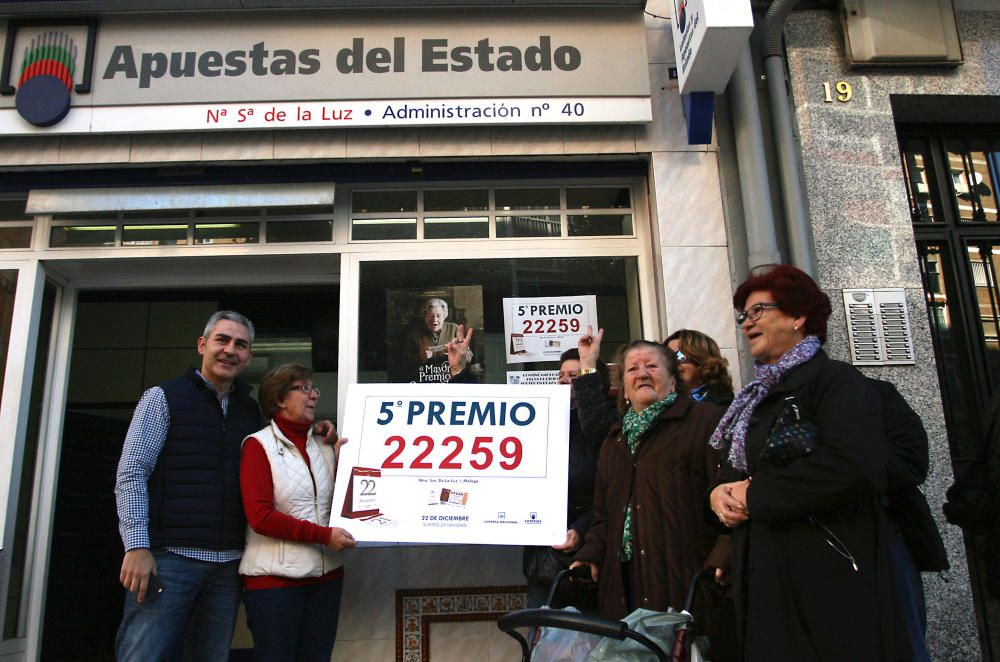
pixel 294 624
pixel 192 619
pixel 910 595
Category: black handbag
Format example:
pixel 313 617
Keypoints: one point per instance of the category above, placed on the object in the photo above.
pixel 542 564
pixel 792 436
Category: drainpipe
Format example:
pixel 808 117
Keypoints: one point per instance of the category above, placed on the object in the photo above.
pixel 786 147
pixel 762 240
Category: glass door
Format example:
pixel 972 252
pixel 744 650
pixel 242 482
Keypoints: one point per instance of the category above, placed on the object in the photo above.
pixel 28 300
pixel 123 343
pixel 951 176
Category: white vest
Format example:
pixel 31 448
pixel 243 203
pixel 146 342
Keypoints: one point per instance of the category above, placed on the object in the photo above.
pixel 294 495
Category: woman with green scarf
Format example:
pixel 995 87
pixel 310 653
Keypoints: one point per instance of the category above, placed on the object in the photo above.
pixel 649 537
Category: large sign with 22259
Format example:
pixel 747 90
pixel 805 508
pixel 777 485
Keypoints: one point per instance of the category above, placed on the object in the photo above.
pixel 447 463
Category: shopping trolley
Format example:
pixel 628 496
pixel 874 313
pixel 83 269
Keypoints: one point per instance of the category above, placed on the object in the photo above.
pixel 682 648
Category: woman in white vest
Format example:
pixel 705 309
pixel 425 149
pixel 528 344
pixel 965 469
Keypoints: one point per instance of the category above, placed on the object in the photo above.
pixel 293 574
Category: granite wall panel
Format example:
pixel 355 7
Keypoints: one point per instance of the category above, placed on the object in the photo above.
pixel 863 236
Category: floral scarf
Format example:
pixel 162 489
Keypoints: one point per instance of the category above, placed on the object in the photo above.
pixel 635 426
pixel 732 429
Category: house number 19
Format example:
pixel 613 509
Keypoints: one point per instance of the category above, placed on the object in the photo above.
pixel 843 89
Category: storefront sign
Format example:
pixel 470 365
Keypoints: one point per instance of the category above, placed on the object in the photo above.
pixel 542 328
pixel 708 38
pixel 481 464
pixel 174 72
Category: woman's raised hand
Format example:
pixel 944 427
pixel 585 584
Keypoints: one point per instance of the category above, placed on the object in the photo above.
pixel 458 350
pixel 589 347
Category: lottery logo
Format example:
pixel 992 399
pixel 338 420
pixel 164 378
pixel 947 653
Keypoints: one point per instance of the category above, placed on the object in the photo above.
pixel 46 80
pixel 680 14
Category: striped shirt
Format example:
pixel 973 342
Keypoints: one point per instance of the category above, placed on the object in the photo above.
pixel 146 435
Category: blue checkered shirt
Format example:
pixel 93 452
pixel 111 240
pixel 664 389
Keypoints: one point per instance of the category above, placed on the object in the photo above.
pixel 146 435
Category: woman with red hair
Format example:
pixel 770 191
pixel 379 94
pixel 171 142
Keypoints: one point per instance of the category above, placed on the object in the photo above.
pixel 804 478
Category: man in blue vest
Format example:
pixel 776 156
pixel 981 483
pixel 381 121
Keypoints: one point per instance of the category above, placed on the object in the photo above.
pixel 179 508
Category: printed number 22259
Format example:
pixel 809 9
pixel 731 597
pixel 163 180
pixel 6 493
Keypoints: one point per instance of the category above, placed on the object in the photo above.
pixel 480 457
pixel 551 326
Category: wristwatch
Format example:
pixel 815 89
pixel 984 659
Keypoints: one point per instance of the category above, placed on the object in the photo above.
pixel 586 371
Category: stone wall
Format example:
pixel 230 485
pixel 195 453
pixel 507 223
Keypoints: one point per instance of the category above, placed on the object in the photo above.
pixel 863 237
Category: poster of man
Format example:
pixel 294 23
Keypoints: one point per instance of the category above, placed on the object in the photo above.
pixel 423 322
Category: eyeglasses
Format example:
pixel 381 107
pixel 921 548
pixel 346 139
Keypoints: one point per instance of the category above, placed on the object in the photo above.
pixel 308 389
pixel 754 312
pixel 683 358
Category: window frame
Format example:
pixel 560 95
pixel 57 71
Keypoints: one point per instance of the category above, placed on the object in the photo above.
pixel 955 237
pixel 564 211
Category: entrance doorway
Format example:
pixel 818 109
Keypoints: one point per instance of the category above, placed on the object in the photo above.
pixel 952 175
pixel 125 342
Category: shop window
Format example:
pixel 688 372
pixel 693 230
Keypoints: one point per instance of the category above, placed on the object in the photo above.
pixel 155 235
pixel 226 233
pixel 384 202
pixel 593 211
pixel 179 227
pixel 82 236
pixel 15 225
pixel 17 236
pixel 295 231
pixel 381 226
pixel 534 199
pixel 456 200
pixel 594 225
pixel 384 229
pixel 460 227
pixel 394 295
pixel 529 226
pixel 598 198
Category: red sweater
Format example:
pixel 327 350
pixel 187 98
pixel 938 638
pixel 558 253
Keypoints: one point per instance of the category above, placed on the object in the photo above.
pixel 257 486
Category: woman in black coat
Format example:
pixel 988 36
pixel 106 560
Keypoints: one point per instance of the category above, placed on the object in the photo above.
pixel 805 477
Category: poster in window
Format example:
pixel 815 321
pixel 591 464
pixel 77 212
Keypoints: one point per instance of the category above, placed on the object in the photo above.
pixel 542 328
pixel 421 324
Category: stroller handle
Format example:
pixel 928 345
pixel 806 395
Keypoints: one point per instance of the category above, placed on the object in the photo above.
pixel 567 620
pixel 693 587
pixel 580 572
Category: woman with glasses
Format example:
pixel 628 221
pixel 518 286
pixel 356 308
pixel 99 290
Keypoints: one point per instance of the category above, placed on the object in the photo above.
pixel 803 483
pixel 701 366
pixel 292 571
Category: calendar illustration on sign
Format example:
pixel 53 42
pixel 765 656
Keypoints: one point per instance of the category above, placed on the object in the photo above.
pixel 362 493
pixel 517 343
